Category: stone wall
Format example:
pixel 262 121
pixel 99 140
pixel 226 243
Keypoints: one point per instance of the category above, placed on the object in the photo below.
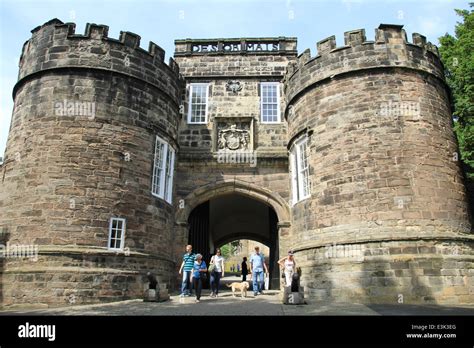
pixel 67 172
pixel 388 217
pixel 250 69
pixel 199 165
pixel 383 168
pixel 379 172
pixel 393 272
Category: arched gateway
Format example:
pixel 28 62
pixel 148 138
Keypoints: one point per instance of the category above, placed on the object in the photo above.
pixel 219 213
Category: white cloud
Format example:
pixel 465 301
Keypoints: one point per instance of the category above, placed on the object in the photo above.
pixel 349 3
pixel 431 27
pixel 5 117
pixel 6 107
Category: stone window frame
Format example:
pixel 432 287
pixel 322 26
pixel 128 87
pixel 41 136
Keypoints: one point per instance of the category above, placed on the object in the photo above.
pixel 300 174
pixel 190 104
pixel 278 96
pixel 163 161
pixel 122 230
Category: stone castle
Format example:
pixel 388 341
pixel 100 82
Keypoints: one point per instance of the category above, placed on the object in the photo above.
pixel 115 160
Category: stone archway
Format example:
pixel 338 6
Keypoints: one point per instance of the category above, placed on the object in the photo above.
pixel 224 187
pixel 273 218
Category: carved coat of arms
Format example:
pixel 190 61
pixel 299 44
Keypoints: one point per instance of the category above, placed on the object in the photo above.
pixel 233 138
pixel 234 86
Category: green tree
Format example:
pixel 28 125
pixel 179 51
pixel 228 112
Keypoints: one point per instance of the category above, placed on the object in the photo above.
pixel 457 53
pixel 226 250
pixel 230 249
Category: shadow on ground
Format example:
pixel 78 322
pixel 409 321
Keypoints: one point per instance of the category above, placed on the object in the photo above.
pixel 226 304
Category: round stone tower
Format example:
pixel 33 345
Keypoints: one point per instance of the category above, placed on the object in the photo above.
pixel 87 113
pixel 387 219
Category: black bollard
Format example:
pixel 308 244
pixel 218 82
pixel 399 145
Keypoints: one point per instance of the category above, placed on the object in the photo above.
pixel 152 281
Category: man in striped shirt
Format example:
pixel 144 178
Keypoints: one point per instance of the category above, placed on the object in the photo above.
pixel 186 268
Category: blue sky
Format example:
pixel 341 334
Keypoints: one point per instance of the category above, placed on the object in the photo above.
pixel 165 21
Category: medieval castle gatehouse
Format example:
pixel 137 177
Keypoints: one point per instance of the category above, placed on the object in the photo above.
pixel 115 160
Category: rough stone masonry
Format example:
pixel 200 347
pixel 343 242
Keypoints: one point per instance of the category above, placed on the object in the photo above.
pixel 104 163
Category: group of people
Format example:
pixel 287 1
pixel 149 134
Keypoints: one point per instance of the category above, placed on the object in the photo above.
pixel 194 269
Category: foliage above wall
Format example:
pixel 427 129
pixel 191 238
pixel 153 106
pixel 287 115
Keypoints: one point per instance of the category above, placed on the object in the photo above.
pixel 457 54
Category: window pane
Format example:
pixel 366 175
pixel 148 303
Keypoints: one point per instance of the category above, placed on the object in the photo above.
pixel 169 173
pixel 300 171
pixel 303 176
pixel 306 184
pixel 158 167
pixel 116 234
pixel 269 98
pixel 198 102
pixel 294 174
pixel 169 178
pixel 162 184
pixel 113 243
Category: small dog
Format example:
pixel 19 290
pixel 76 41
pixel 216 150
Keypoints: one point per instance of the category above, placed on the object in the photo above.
pixel 239 286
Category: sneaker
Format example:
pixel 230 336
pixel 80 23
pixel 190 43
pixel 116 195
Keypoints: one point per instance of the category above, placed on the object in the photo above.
pixel 182 295
pixel 260 293
pixel 197 301
pixel 255 294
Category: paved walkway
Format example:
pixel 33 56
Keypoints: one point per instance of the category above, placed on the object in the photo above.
pixel 226 304
pixel 266 304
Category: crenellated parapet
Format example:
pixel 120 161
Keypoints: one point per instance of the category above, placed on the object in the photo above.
pixel 382 199
pixel 390 49
pixel 55 45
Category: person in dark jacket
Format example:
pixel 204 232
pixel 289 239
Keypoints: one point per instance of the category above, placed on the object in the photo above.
pixel 245 270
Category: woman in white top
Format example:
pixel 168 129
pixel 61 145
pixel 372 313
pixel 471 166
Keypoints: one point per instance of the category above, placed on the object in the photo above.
pixel 288 264
pixel 218 261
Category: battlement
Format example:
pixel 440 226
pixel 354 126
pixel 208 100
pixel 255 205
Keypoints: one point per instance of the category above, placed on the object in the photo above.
pixel 389 49
pixel 56 45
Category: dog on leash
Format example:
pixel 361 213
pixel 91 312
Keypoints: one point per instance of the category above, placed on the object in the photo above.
pixel 243 286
